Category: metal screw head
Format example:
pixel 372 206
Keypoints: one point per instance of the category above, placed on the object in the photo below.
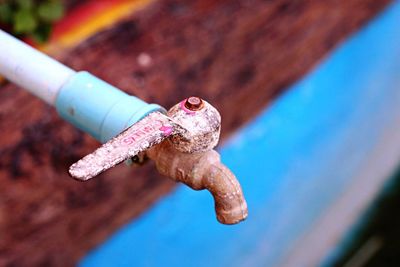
pixel 194 103
pixel 203 126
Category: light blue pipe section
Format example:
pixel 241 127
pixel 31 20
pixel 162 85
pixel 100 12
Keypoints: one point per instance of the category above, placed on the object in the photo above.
pixel 294 162
pixel 99 108
pixel 31 69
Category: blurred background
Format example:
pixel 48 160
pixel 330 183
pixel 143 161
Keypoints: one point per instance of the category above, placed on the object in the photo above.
pixel 309 96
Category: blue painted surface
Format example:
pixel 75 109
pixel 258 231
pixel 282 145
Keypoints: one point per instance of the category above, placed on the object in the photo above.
pixel 293 162
pixel 99 108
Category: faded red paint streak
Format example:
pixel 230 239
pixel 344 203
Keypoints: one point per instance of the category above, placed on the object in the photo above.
pixel 140 134
pixel 80 14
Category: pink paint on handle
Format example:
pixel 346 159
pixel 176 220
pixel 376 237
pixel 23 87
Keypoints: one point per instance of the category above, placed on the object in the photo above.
pixel 188 111
pixel 166 129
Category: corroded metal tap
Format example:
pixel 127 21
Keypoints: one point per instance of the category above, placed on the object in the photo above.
pixel 181 144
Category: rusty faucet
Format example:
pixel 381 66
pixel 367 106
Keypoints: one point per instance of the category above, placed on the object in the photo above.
pixel 190 158
pixel 181 144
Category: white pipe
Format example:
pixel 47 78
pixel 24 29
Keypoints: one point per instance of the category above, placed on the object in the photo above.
pixel 31 69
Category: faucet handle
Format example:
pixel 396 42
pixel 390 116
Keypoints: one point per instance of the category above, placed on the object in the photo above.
pixel 193 125
pixel 149 131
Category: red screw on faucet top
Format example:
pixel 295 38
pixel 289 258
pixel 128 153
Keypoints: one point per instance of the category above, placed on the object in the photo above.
pixel 194 103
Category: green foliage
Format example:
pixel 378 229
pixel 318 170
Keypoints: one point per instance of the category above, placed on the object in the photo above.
pixel 5 13
pixel 50 11
pixel 31 18
pixel 24 4
pixel 24 22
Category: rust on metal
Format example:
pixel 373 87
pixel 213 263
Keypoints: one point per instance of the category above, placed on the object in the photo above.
pixel 203 170
pixel 194 103
pixel 185 154
pixel 149 131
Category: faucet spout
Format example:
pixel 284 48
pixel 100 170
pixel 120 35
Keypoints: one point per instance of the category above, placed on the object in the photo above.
pixel 203 170
pixel 230 205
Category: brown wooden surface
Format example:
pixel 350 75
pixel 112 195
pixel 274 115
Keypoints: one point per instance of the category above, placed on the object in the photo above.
pixel 237 54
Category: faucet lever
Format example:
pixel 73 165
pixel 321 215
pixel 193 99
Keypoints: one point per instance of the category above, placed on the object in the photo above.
pixel 149 131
